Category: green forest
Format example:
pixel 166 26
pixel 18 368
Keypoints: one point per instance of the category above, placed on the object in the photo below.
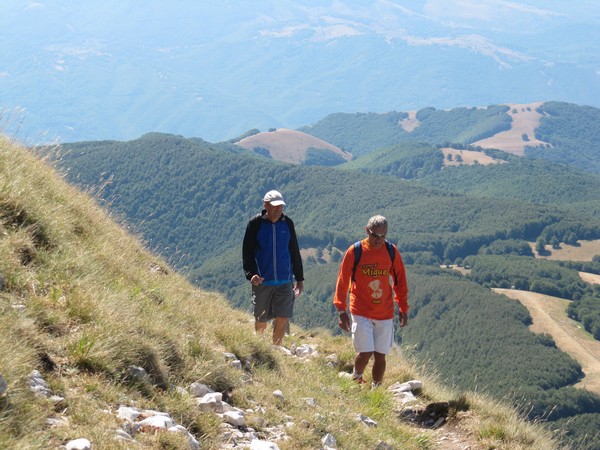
pixel 190 200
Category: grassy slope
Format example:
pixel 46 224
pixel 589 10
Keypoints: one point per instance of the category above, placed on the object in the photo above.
pixel 91 305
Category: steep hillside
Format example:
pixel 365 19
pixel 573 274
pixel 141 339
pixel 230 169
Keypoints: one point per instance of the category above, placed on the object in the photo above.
pixel 98 334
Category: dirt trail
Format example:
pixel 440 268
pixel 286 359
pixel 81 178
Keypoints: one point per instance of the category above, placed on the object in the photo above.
pixel 549 316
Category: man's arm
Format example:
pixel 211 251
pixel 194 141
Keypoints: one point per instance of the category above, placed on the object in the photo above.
pixel 401 289
pixel 248 248
pixel 295 252
pixel 341 289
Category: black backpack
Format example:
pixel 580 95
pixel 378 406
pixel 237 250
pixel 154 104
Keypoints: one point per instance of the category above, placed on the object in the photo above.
pixel 358 253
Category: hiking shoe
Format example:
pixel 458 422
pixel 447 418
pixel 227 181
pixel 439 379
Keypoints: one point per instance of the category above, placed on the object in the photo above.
pixel 374 386
pixel 360 380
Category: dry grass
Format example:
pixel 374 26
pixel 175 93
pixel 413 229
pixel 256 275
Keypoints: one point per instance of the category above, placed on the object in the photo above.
pixel 467 157
pixel 82 300
pixel 584 251
pixel 289 145
pixel 525 120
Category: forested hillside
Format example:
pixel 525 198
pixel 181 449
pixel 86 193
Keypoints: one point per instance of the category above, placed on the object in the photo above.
pixel 190 200
pixel 362 133
pixel 571 131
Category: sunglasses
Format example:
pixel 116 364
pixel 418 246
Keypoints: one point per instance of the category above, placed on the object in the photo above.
pixel 378 235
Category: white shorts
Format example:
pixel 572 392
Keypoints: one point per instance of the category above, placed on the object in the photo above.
pixel 369 335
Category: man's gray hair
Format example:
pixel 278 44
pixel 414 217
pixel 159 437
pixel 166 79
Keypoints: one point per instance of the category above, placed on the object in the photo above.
pixel 377 221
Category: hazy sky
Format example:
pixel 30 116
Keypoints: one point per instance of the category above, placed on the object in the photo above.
pixel 213 69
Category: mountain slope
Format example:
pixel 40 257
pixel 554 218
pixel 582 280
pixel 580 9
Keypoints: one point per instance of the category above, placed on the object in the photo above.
pixel 83 302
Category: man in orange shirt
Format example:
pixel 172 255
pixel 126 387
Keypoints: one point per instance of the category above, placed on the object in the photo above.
pixel 375 282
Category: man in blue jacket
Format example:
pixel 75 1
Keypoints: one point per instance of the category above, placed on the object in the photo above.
pixel 271 262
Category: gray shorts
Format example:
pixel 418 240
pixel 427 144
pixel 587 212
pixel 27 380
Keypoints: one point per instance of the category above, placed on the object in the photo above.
pixel 273 301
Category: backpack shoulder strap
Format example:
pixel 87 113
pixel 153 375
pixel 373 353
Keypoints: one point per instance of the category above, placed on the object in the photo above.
pixel 357 253
pixel 392 253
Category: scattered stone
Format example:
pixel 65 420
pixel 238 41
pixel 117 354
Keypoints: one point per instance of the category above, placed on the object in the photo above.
pixel 79 444
pixel 237 364
pixel 409 386
pixel 152 423
pixel 194 444
pixel 257 444
pixel 137 373
pixel 127 413
pixel 304 351
pixel 210 402
pixel 199 390
pixel 331 360
pixel 328 442
pixel 310 402
pixel 366 420
pixel 283 350
pixel 60 421
pixel 235 418
pixel 121 435
pixel 181 391
pixel 38 385
pixel 278 395
pixel 3 386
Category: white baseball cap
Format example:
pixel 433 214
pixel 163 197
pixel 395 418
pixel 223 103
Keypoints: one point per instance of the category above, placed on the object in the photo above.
pixel 274 198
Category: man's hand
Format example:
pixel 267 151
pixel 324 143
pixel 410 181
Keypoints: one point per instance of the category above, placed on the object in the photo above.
pixel 403 319
pixel 256 280
pixel 344 321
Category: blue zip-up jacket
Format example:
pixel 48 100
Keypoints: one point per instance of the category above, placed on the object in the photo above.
pixel 271 250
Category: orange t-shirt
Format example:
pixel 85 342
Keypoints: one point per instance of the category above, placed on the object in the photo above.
pixel 373 293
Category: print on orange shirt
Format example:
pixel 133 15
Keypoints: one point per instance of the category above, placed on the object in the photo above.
pixel 370 270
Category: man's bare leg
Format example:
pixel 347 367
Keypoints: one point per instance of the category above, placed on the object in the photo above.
pixel 260 327
pixel 279 327
pixel 360 361
pixel 378 367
